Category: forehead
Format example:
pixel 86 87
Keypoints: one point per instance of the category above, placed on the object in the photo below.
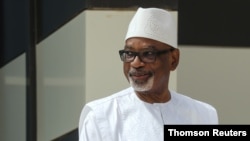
pixel 144 43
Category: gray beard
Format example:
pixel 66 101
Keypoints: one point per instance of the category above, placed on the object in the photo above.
pixel 141 86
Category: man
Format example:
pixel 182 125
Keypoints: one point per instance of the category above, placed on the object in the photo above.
pixel 138 113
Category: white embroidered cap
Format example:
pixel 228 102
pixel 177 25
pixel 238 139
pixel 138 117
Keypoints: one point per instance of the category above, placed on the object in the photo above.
pixel 153 23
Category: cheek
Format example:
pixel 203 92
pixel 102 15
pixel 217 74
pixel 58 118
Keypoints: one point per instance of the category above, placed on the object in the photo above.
pixel 161 75
pixel 125 69
pixel 162 69
pixel 164 64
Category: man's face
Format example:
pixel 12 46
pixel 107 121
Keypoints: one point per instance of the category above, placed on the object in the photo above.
pixel 149 77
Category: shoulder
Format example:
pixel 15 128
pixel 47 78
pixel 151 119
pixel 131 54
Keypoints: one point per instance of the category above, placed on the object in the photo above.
pixel 105 104
pixel 196 107
pixel 109 99
pixel 189 101
pixel 100 112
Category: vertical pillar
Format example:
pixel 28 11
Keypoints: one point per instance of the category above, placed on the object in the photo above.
pixel 31 108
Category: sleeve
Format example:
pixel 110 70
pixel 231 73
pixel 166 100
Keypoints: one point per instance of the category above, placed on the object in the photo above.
pixel 214 116
pixel 88 127
pixel 210 114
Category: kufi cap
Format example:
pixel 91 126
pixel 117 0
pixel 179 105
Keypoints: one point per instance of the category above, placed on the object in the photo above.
pixel 153 23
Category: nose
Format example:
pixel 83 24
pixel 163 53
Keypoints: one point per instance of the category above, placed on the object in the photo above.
pixel 136 63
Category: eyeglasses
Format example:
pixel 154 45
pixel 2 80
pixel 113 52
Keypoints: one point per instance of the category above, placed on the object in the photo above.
pixel 145 56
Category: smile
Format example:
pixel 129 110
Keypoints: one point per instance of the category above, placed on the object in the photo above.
pixel 140 77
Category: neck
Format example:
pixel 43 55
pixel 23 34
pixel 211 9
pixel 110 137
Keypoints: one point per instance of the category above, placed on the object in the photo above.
pixel 154 98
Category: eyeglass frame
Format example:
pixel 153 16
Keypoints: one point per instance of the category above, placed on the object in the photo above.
pixel 141 55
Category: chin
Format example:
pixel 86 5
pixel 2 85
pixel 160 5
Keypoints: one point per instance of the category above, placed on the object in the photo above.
pixel 141 87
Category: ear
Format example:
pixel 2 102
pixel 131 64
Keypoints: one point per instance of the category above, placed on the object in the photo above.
pixel 175 59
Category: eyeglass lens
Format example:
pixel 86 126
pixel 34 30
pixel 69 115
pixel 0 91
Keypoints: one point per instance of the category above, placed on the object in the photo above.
pixel 145 56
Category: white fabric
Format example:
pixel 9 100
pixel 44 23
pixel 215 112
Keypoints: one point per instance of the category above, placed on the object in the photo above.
pixel 124 117
pixel 153 23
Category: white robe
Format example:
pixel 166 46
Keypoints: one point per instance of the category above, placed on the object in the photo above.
pixel 124 117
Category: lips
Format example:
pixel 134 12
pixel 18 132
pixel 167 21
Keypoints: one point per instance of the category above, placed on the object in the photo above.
pixel 139 76
pixel 142 76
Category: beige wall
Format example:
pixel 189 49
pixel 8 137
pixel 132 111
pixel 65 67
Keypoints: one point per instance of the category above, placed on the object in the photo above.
pixel 219 76
pixel 104 37
pixel 12 101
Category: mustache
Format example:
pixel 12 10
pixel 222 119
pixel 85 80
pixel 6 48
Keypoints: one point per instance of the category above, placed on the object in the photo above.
pixel 135 72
